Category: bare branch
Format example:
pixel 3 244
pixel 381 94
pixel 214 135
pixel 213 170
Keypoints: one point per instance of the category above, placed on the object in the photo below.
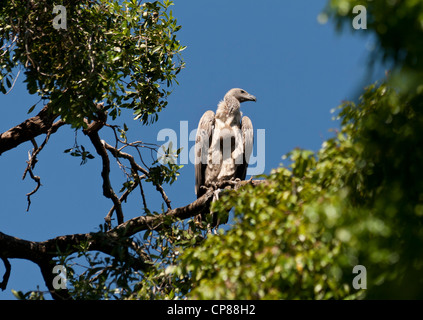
pixel 119 154
pixel 160 189
pixel 32 159
pixel 108 191
pixel 143 195
pixel 6 275
pixel 141 223
pixel 37 179
pixel 108 218
pixel 14 81
pixel 92 132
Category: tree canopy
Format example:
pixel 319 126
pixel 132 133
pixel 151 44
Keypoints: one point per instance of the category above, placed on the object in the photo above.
pixel 120 53
pixel 297 233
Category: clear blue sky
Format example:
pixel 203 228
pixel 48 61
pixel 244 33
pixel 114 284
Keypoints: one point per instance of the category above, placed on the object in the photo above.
pixel 298 69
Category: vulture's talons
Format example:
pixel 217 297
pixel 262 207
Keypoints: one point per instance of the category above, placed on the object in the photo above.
pixel 237 181
pixel 216 194
pixel 204 188
pixel 233 182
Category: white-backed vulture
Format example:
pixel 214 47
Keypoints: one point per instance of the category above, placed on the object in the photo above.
pixel 224 142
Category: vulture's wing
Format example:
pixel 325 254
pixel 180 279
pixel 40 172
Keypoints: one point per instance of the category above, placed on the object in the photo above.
pixel 248 139
pixel 202 144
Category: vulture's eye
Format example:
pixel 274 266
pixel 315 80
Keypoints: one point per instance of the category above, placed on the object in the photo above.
pixel 242 91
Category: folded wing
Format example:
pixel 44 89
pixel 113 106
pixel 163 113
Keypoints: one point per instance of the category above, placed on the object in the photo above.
pixel 248 141
pixel 202 144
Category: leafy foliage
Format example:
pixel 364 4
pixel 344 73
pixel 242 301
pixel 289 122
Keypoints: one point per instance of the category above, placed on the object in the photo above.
pixel 122 53
pixel 79 151
pixel 356 201
pixel 117 55
pixel 96 276
pixel 165 167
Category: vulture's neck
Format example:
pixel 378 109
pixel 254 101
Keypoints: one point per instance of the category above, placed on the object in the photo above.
pixel 228 109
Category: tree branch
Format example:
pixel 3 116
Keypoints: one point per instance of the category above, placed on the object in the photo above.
pixel 6 275
pixel 37 180
pixel 92 132
pixel 108 191
pixel 27 130
pixel 33 157
pixel 108 218
pixel 43 253
pixel 135 166
pixel 142 223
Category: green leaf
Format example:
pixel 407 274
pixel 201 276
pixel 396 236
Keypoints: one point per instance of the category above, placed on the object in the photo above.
pixel 32 108
pixel 9 84
pixel 18 294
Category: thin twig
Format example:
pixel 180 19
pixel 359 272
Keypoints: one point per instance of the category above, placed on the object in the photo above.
pixel 160 189
pixel 123 198
pixel 37 179
pixel 143 195
pixel 14 81
pixel 137 167
pixel 33 158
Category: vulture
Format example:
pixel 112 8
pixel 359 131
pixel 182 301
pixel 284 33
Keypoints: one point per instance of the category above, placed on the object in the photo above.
pixel 223 143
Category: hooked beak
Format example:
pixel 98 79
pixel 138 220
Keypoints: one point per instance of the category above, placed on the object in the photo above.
pixel 251 98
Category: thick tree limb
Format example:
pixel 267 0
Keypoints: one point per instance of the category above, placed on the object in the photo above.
pixel 43 253
pixel 15 248
pixel 141 223
pixel 27 130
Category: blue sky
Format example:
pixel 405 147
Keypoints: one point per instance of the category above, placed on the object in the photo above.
pixel 297 68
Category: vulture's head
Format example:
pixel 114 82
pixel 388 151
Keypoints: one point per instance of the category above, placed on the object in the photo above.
pixel 240 95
